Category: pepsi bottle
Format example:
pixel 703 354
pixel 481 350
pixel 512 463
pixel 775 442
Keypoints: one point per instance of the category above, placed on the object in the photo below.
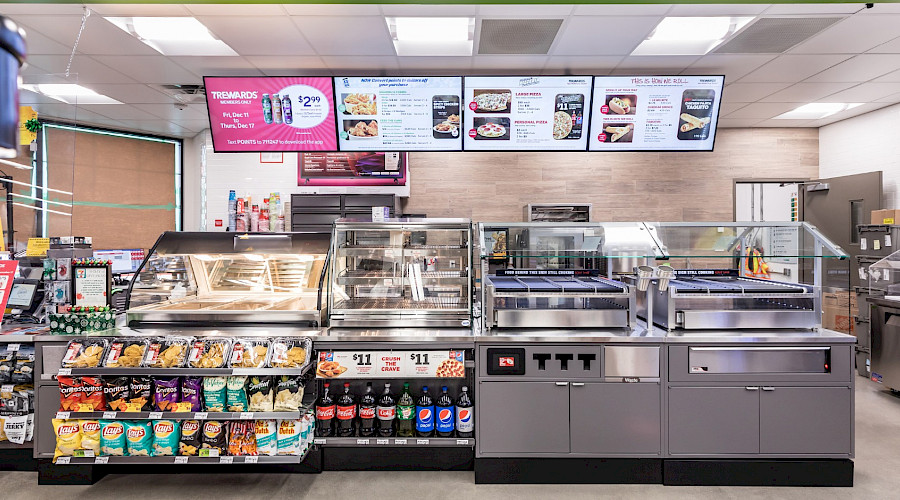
pixel 465 415
pixel 367 412
pixel 387 410
pixel 346 413
pixel 425 415
pixel 325 414
pixel 445 416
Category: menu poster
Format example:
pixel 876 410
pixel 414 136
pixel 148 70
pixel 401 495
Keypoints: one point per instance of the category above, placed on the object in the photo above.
pixel 655 113
pixel 351 169
pixel 398 113
pixel 249 114
pixel 7 274
pixel 92 286
pixel 542 113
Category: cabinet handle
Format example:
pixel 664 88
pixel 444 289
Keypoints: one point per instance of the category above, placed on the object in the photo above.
pixel 562 384
pixel 577 384
pixel 752 388
pixel 768 388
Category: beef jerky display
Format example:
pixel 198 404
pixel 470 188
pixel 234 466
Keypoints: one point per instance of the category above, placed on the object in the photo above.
pixel 16 393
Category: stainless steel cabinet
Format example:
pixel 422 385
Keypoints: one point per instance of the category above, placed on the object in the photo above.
pixel 524 417
pixel 805 420
pixel 713 420
pixel 614 418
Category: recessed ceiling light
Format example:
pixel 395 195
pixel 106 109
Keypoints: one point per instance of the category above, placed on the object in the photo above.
pixel 689 35
pixel 174 36
pixel 432 36
pixel 817 110
pixel 69 93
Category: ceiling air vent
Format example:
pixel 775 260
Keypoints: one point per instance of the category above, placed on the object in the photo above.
pixel 185 93
pixel 517 36
pixel 774 35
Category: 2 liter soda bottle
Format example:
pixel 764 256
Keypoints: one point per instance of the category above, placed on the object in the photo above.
pixel 387 410
pixel 367 412
pixel 465 415
pixel 425 415
pixel 325 409
pixel 346 413
pixel 406 413
pixel 445 416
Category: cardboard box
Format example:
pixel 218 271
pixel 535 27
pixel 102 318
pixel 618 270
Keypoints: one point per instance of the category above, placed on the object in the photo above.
pixel 839 319
pixel 885 216
pixel 842 298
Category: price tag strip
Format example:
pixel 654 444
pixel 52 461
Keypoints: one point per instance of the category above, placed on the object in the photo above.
pixel 390 364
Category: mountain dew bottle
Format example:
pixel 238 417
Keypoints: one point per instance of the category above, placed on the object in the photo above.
pixel 406 413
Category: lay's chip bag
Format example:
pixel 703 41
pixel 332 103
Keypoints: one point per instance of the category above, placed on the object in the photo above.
pixel 165 438
pixel 189 444
pixel 68 437
pixel 112 438
pixel 138 438
pixel 90 435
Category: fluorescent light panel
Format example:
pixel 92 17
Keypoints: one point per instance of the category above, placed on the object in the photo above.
pixel 174 36
pixel 69 93
pixel 432 36
pixel 817 110
pixel 689 35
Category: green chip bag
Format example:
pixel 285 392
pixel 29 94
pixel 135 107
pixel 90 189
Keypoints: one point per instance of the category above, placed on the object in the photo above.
pixel 214 393
pixel 237 393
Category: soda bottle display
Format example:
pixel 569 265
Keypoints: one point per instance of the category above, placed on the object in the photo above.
pixel 346 413
pixel 276 108
pixel 267 108
pixel 465 415
pixel 425 414
pixel 445 416
pixel 387 410
pixel 286 110
pixel 325 414
pixel 367 412
pixel 406 413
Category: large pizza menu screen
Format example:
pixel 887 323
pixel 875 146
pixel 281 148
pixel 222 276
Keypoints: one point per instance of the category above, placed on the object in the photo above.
pixel 655 113
pixel 398 113
pixel 543 113
pixel 271 114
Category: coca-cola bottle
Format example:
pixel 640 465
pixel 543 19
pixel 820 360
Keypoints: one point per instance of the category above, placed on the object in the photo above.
pixel 346 413
pixel 387 410
pixel 367 412
pixel 325 414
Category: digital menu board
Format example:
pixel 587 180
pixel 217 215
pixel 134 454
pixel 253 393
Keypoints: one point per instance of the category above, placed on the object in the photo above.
pixel 398 113
pixel 655 113
pixel 351 169
pixel 541 113
pixel 271 114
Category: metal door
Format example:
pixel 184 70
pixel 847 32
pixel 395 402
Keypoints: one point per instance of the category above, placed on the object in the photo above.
pixel 713 420
pixel 836 206
pixel 615 418
pixel 523 417
pixel 805 420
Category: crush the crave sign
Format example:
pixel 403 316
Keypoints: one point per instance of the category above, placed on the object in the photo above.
pixel 271 114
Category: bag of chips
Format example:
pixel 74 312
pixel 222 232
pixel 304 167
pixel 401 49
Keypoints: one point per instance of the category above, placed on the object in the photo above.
pixel 250 353
pixel 210 353
pixel 84 353
pixel 90 435
pixel 266 438
pixel 92 387
pixel 138 438
pixel 189 443
pixel 166 392
pixel 191 388
pixel 289 352
pixel 112 438
pixel 68 437
pixel 288 393
pixel 288 437
pixel 142 392
pixel 260 392
pixel 71 394
pixel 116 391
pixel 126 353
pixel 241 438
pixel 214 393
pixel 214 436
pixel 237 393
pixel 165 438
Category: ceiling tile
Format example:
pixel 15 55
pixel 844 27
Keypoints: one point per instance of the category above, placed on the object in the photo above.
pixel 505 11
pixel 133 10
pixel 761 110
pixel 357 36
pixel 806 92
pixel 432 10
pixel 865 92
pixel 217 66
pixel 332 10
pixel 507 62
pixel 194 125
pixel 893 98
pixel 750 92
pixel 119 111
pixel 793 68
pixel 27 98
pixel 41 8
pixel 254 9
pixel 733 66
pixel 850 113
pixel 785 123
pixel 84 69
pixel 40 44
pixel 67 111
pixel 891 47
pixel 705 10
pixel 818 8
pixel 659 65
pixel 882 8
pixel 242 33
pixel 173 114
pixel 621 10
pixel 386 63
pixel 729 107
pixel 595 35
pixel 158 127
pixel 851 36
pixel 287 65
pixel 891 77
pixel 582 65
pixel 99 36
pixel 459 64
pixel 151 69
pixel 736 122
pixel 861 68
pixel 132 94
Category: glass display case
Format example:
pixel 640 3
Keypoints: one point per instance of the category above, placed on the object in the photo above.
pixel 884 276
pixel 225 278
pixel 401 272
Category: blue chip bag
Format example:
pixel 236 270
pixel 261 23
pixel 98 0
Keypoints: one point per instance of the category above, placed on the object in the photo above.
pixel 138 438
pixel 165 438
pixel 112 438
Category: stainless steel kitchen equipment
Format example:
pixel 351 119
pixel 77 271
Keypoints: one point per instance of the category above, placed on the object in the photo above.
pixel 884 315
pixel 558 212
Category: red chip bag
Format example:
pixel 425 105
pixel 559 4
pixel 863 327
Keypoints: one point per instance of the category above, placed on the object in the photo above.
pixel 93 393
pixel 71 393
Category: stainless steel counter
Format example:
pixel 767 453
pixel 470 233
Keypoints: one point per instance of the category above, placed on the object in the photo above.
pixel 821 336
pixel 267 331
pixel 527 335
pixel 424 335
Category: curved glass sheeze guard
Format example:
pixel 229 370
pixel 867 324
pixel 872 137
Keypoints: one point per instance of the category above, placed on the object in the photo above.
pixel 402 272
pixel 230 278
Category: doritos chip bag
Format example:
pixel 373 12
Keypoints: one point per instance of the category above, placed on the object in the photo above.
pixel 165 438
pixel 70 393
pixel 93 393
pixel 138 438
pixel 166 392
pixel 117 391
pixel 189 444
pixel 68 437
pixel 90 435
pixel 141 392
pixel 112 438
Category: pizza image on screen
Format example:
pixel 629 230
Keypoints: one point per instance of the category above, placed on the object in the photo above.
pixel 562 125
pixel 490 128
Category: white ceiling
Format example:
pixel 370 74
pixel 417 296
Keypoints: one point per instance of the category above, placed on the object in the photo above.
pixel 855 60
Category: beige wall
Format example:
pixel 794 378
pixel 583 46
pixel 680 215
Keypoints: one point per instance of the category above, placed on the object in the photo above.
pixel 621 186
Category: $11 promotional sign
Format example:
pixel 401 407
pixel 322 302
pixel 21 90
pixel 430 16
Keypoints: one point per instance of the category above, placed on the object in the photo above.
pixel 382 364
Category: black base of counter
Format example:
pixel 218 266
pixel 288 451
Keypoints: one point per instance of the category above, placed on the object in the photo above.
pixel 18 458
pixel 568 471
pixel 760 472
pixel 399 459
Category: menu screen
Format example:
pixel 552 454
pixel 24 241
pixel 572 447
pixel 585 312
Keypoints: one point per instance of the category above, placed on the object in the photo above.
pixel 351 169
pixel 655 113
pixel 271 114
pixel 543 113
pixel 398 113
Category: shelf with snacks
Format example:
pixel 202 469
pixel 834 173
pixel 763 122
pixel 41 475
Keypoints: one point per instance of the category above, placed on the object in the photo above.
pixel 182 372
pixel 178 460
pixel 181 415
pixel 394 442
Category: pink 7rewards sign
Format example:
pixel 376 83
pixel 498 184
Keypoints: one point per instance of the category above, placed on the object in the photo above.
pixel 7 274
pixel 271 114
